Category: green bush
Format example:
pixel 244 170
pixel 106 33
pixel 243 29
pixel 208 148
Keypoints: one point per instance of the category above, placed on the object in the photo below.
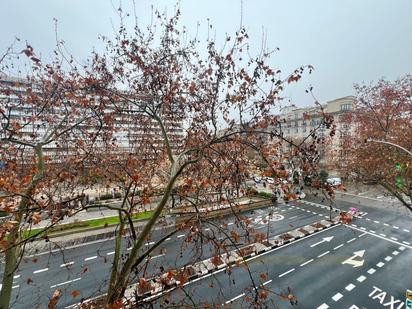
pixel 117 195
pixel 265 194
pixel 107 196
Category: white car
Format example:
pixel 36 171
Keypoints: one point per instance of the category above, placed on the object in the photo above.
pixel 334 181
pixel 270 180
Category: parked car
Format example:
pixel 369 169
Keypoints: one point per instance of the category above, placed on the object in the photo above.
pixel 270 180
pixel 257 179
pixel 334 181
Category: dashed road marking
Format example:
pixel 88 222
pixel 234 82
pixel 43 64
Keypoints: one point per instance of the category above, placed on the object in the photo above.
pixel 267 282
pixel 395 227
pixel 388 258
pixel 63 283
pixel 405 230
pixel 286 272
pixel 234 298
pixel 401 248
pixel 323 306
pixel 351 240
pixel 395 252
pixel 307 262
pixel 361 235
pixel 376 221
pixel 337 296
pixel 91 258
pixel 67 264
pixel 110 253
pixel 350 287
pixel 152 243
pixel 371 271
pixel 386 224
pixel 323 254
pixel 367 219
pixel 380 264
pixel 40 270
pixel 361 278
pixel 208 229
pixel 337 247
pixel 181 235
pixel 16 277
pixel 394 238
pixel 406 242
pixel 167 239
pixel 15 286
pixel 372 231
pixel 384 235
pixel 230 223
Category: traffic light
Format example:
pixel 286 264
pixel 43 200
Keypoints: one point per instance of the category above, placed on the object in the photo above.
pixel 398 178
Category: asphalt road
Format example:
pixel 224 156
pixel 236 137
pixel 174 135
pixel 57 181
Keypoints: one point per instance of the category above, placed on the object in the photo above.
pixel 366 264
pixel 315 273
pixel 86 268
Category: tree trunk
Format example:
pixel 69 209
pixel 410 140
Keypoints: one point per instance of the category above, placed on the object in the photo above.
pixel 13 250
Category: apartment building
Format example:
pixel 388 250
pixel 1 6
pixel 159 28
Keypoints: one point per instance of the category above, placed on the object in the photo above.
pixel 131 132
pixel 297 123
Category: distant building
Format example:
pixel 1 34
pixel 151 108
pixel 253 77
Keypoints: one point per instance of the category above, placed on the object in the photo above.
pixel 132 133
pixel 297 123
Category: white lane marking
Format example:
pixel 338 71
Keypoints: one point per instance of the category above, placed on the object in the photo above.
pixel 405 230
pixel 380 264
pixel 395 227
pixel 371 271
pixel 110 253
pixel 167 239
pixel 323 306
pixel 40 270
pixel 350 287
pixel 91 258
pixel 386 224
pixel 337 296
pixel 253 258
pixel 406 242
pixel 376 221
pixel 208 229
pixel 395 252
pixel 157 256
pixel 384 235
pixel 401 248
pixel 388 258
pixel 150 243
pixel 367 219
pixel 286 272
pixel 230 223
pixel 63 283
pixel 130 248
pixel 361 235
pixel 354 225
pixel 387 239
pixel 234 298
pixel 361 278
pixel 15 286
pixel 337 247
pixel 293 217
pixel 372 231
pixel 67 264
pixel 394 238
pixel 181 235
pixel 324 253
pixel 350 240
pixel 267 282
pixel 16 277
pixel 307 262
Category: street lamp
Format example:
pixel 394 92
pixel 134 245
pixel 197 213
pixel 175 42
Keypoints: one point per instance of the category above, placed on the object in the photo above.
pixel 389 143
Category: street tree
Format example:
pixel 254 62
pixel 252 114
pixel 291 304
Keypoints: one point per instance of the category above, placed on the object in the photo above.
pixel 377 148
pixel 49 128
pixel 224 98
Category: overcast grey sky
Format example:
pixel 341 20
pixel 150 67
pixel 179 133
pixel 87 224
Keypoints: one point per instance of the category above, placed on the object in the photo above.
pixel 347 41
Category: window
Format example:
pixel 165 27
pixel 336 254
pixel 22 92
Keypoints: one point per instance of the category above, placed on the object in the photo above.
pixel 345 107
